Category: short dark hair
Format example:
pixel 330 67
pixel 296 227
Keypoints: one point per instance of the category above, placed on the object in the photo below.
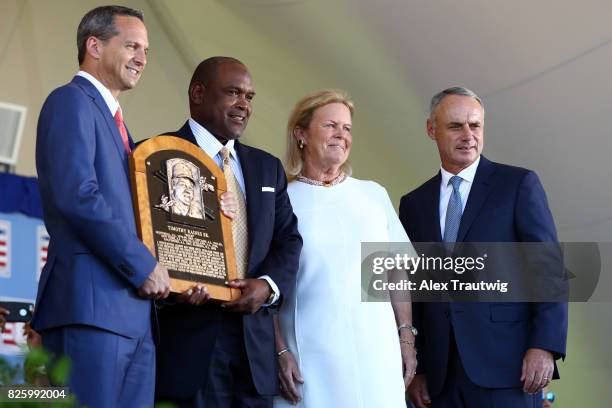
pixel 207 70
pixel 100 23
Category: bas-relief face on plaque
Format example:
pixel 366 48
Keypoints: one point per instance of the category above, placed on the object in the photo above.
pixel 187 228
pixel 186 187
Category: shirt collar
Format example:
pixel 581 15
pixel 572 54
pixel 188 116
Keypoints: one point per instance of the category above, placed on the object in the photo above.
pixel 208 142
pixel 108 97
pixel 466 174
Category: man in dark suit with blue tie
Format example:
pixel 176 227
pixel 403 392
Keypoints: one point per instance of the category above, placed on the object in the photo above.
pixel 223 355
pixel 480 354
pixel 94 297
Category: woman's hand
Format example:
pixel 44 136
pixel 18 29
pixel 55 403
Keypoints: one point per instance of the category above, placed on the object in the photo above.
pixel 409 360
pixel 289 374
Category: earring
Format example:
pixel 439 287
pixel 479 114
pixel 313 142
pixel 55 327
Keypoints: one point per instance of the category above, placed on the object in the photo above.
pixel 301 143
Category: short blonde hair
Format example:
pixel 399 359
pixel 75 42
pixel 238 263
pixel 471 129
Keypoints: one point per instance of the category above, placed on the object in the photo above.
pixel 300 118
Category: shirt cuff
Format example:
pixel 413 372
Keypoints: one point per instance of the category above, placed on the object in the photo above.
pixel 274 290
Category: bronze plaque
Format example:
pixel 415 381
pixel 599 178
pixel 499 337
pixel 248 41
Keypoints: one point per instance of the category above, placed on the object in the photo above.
pixel 175 190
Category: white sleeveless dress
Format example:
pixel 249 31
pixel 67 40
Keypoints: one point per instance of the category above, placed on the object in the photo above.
pixel 347 350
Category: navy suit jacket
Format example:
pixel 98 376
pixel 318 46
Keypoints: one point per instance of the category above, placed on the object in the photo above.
pixel 188 333
pixel 96 261
pixel 505 204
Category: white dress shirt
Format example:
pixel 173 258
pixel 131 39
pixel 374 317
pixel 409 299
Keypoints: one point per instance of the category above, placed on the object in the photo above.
pixel 467 175
pixel 110 100
pixel 212 147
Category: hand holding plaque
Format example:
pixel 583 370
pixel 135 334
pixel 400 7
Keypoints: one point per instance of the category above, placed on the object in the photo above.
pixel 196 295
pixel 182 210
pixel 157 284
pixel 254 293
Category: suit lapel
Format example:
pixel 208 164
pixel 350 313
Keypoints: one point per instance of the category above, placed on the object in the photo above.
pixel 186 133
pixel 478 195
pixel 91 90
pixel 432 207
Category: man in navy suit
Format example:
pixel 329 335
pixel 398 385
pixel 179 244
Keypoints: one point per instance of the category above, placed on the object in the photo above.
pixel 480 354
pixel 94 297
pixel 223 355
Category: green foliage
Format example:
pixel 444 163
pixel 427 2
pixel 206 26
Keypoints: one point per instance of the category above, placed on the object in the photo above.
pixel 8 372
pixel 35 365
pixel 60 371
pixel 36 362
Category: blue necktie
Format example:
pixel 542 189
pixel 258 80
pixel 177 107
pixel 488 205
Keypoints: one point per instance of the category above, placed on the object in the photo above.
pixel 453 211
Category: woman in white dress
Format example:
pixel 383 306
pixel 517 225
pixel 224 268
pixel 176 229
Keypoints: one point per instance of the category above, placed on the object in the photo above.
pixel 333 349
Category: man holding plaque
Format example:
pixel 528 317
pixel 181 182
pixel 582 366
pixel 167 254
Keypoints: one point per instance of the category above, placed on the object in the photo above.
pixel 223 355
pixel 93 302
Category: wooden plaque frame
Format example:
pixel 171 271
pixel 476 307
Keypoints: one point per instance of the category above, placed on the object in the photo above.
pixel 144 205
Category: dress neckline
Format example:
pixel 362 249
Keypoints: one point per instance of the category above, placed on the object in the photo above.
pixel 341 177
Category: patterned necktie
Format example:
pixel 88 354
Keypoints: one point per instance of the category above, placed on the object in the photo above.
pixel 122 130
pixel 453 211
pixel 239 224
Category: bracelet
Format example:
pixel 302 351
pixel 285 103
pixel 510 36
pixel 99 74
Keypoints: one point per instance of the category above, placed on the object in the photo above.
pixel 408 342
pixel 283 351
pixel 412 329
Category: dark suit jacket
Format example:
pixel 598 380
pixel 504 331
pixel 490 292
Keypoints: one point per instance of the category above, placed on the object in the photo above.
pixel 96 261
pixel 505 204
pixel 188 333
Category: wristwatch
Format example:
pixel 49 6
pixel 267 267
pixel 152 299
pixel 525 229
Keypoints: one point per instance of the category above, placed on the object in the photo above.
pixel 412 329
pixel 271 297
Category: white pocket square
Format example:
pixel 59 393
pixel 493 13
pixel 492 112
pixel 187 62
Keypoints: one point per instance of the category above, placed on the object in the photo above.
pixel 267 189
